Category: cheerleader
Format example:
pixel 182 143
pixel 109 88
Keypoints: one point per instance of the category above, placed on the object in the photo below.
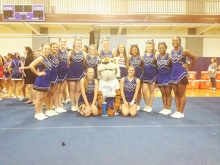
pixel 106 52
pixel 62 73
pixel 136 61
pixel 76 61
pixel 89 90
pixel 16 80
pixel 53 58
pixel 150 75
pixel 178 77
pixel 42 82
pixel 121 58
pixel 92 59
pixel 129 86
pixel 164 64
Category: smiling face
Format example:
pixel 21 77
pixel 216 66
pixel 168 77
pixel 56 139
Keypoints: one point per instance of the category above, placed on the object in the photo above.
pixel 90 73
pixel 162 49
pixel 106 45
pixel 92 50
pixel 78 44
pixel 131 71
pixel 149 48
pixel 54 48
pixel 176 42
pixel 121 48
pixel 46 50
pixel 62 43
pixel 134 51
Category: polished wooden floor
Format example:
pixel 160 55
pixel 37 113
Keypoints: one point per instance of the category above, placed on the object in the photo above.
pixel 197 93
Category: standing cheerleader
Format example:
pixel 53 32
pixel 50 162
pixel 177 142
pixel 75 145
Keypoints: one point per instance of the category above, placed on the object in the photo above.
pixel 62 73
pixel 106 52
pixel 178 77
pixel 150 75
pixel 129 86
pixel 92 59
pixel 164 64
pixel 53 58
pixel 121 58
pixel 75 72
pixel 42 82
pixel 136 61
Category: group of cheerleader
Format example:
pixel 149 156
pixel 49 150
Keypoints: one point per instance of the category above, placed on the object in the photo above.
pixel 167 70
pixel 57 68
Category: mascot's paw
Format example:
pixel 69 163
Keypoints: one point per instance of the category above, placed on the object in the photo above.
pixel 100 111
pixel 111 112
pixel 117 106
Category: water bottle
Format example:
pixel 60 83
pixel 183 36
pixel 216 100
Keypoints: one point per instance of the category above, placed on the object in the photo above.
pixel 104 109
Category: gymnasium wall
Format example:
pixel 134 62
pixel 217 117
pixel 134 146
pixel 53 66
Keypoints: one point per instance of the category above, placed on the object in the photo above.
pixel 210 46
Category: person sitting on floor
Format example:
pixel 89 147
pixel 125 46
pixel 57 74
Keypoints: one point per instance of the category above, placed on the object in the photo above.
pixel 88 97
pixel 129 86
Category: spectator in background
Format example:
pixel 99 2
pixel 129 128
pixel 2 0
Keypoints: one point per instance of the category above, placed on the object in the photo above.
pixel 218 68
pixel 85 49
pixel 212 72
pixel 7 78
pixel 1 74
pixel 16 80
pixel 29 76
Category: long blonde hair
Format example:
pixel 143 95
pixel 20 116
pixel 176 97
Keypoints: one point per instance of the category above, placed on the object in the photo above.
pixel 86 82
pixel 76 39
pixel 93 45
pixel 153 45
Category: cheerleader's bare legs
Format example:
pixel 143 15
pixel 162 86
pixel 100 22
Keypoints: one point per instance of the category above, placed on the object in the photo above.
pixel 41 95
pixel 74 89
pixel 60 88
pixel 180 98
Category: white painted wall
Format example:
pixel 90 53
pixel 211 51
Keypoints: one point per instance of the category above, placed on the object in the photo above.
pixel 211 47
pixel 10 45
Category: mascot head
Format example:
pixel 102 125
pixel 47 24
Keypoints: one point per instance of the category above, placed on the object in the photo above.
pixel 108 69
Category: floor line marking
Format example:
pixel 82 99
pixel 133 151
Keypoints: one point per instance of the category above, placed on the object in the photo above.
pixel 138 126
